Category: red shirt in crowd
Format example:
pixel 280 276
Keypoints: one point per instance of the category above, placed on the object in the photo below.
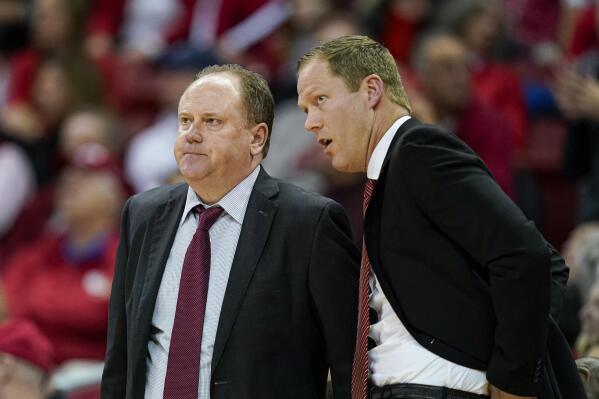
pixel 65 294
pixel 490 136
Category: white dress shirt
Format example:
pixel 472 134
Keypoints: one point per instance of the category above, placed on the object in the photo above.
pixel 398 357
pixel 224 235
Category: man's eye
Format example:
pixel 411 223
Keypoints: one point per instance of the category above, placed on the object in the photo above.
pixel 212 121
pixel 184 121
pixel 320 99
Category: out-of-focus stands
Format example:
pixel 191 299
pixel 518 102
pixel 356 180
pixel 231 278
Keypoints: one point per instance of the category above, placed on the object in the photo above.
pixel 89 92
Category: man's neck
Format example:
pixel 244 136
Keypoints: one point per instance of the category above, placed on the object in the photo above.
pixel 383 120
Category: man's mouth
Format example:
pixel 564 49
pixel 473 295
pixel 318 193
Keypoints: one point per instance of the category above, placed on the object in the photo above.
pixel 325 142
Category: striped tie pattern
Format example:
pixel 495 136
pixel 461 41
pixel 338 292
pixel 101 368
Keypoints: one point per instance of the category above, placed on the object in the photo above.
pixel 183 367
pixel 359 388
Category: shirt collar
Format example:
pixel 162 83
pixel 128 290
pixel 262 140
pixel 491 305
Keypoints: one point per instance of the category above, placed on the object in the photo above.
pixel 234 203
pixel 380 151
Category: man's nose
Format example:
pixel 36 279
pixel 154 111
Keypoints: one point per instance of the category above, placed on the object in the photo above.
pixel 193 135
pixel 313 123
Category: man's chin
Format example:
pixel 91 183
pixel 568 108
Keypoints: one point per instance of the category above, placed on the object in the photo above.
pixel 192 174
pixel 344 167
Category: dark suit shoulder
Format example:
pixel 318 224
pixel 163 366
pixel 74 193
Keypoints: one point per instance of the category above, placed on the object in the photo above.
pixel 431 135
pixel 423 146
pixel 146 202
pixel 298 199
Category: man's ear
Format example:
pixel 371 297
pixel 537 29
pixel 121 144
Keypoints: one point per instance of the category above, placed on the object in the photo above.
pixel 375 88
pixel 259 136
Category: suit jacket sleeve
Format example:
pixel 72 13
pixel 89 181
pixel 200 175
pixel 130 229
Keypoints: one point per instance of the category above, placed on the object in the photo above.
pixel 333 280
pixel 456 191
pixel 115 366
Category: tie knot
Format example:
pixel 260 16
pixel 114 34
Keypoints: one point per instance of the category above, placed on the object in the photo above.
pixel 207 216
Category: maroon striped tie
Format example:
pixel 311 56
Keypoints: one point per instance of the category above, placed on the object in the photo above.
pixel 359 376
pixel 183 367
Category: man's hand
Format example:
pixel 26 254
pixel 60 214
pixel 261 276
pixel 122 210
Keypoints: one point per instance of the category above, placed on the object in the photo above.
pixel 497 393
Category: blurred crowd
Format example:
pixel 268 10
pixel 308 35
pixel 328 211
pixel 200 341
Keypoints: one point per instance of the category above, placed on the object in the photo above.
pixel 88 116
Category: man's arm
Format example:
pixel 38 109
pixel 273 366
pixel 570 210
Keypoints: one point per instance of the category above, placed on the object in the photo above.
pixel 455 190
pixel 334 271
pixel 115 366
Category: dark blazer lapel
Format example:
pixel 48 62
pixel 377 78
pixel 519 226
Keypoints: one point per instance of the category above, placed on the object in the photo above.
pixel 372 219
pixel 258 218
pixel 164 224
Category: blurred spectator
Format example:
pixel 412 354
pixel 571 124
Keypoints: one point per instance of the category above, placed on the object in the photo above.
pixel 57 32
pixel 573 250
pixel 229 27
pixel 479 23
pixel 147 163
pixel 585 35
pixel 90 125
pixel 588 265
pixel 91 130
pixel 588 369
pixel 105 19
pixel 62 281
pixel 56 27
pixel 59 86
pixel 577 94
pixel 25 361
pixel 297 157
pixel 534 22
pixel 13 37
pixel 17 184
pixel 297 37
pixel 443 67
pixel 572 11
pixel 588 342
pixel 576 251
pixel 397 23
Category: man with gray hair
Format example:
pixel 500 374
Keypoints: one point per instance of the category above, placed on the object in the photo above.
pixel 232 284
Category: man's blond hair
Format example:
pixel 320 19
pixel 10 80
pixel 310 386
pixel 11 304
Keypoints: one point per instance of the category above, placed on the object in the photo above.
pixel 355 57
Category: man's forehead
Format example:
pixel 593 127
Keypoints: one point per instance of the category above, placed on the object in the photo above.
pixel 215 84
pixel 314 68
pixel 316 73
pixel 221 81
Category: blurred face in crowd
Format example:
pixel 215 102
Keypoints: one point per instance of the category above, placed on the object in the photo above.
pixel 83 195
pixel 80 129
pixel 337 117
pixel 307 14
pixel 216 146
pixel 51 23
pixel 335 28
pixel 51 90
pixel 171 85
pixel 482 29
pixel 445 74
pixel 19 379
pixel 590 313
pixel 413 10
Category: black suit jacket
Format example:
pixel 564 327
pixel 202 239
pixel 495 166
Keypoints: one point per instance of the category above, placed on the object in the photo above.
pixel 470 277
pixel 289 310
